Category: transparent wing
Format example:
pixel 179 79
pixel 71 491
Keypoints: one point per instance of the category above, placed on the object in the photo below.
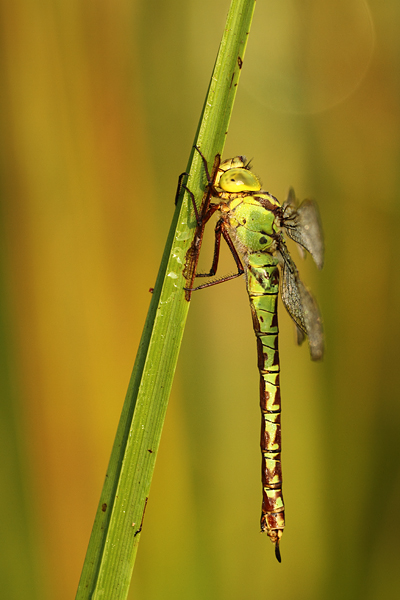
pixel 313 322
pixel 302 223
pixel 301 306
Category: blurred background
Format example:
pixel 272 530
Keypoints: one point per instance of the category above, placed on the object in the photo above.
pixel 99 106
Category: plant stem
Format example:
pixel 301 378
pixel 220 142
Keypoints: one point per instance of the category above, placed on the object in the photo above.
pixel 110 558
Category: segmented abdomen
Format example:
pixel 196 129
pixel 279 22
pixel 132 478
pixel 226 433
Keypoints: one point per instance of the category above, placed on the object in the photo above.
pixel 263 288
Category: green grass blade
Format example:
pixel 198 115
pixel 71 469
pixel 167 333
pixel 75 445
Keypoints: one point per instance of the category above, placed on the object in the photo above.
pixel 110 558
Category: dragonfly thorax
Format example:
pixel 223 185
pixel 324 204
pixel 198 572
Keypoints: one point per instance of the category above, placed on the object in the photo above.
pixel 253 225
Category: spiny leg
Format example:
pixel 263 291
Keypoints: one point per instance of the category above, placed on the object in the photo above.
pixel 217 247
pixel 220 228
pixel 210 178
pixel 210 182
pixel 199 220
pixel 202 216
pixel 211 208
pixel 202 220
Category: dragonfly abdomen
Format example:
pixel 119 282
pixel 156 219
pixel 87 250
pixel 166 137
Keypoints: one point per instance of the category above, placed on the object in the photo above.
pixel 263 288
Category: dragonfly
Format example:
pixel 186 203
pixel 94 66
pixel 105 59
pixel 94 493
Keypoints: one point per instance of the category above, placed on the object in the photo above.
pixel 253 223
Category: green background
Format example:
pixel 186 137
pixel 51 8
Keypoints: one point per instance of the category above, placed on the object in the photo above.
pixel 99 106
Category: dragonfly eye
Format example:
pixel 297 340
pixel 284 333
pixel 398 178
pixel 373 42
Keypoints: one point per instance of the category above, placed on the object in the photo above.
pixel 239 180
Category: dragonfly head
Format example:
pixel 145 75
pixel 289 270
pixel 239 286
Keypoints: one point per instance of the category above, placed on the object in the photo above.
pixel 234 177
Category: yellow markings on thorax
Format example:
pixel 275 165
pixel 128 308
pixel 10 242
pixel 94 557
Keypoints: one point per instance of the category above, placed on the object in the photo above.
pixel 234 203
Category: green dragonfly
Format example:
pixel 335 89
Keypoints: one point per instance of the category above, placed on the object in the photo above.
pixel 252 223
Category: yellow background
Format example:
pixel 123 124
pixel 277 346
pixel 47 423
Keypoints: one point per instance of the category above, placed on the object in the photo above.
pixel 99 107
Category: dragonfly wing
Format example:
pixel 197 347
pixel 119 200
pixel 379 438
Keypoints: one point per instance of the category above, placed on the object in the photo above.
pixel 301 336
pixel 303 224
pixel 301 306
pixel 313 322
pixel 290 292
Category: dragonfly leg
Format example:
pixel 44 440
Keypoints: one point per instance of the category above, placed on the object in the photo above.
pixel 200 220
pixel 196 210
pixel 217 246
pixel 211 208
pixel 182 186
pixel 192 255
pixel 232 248
pixel 210 178
pixel 220 228
pixel 202 216
pixel 203 158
